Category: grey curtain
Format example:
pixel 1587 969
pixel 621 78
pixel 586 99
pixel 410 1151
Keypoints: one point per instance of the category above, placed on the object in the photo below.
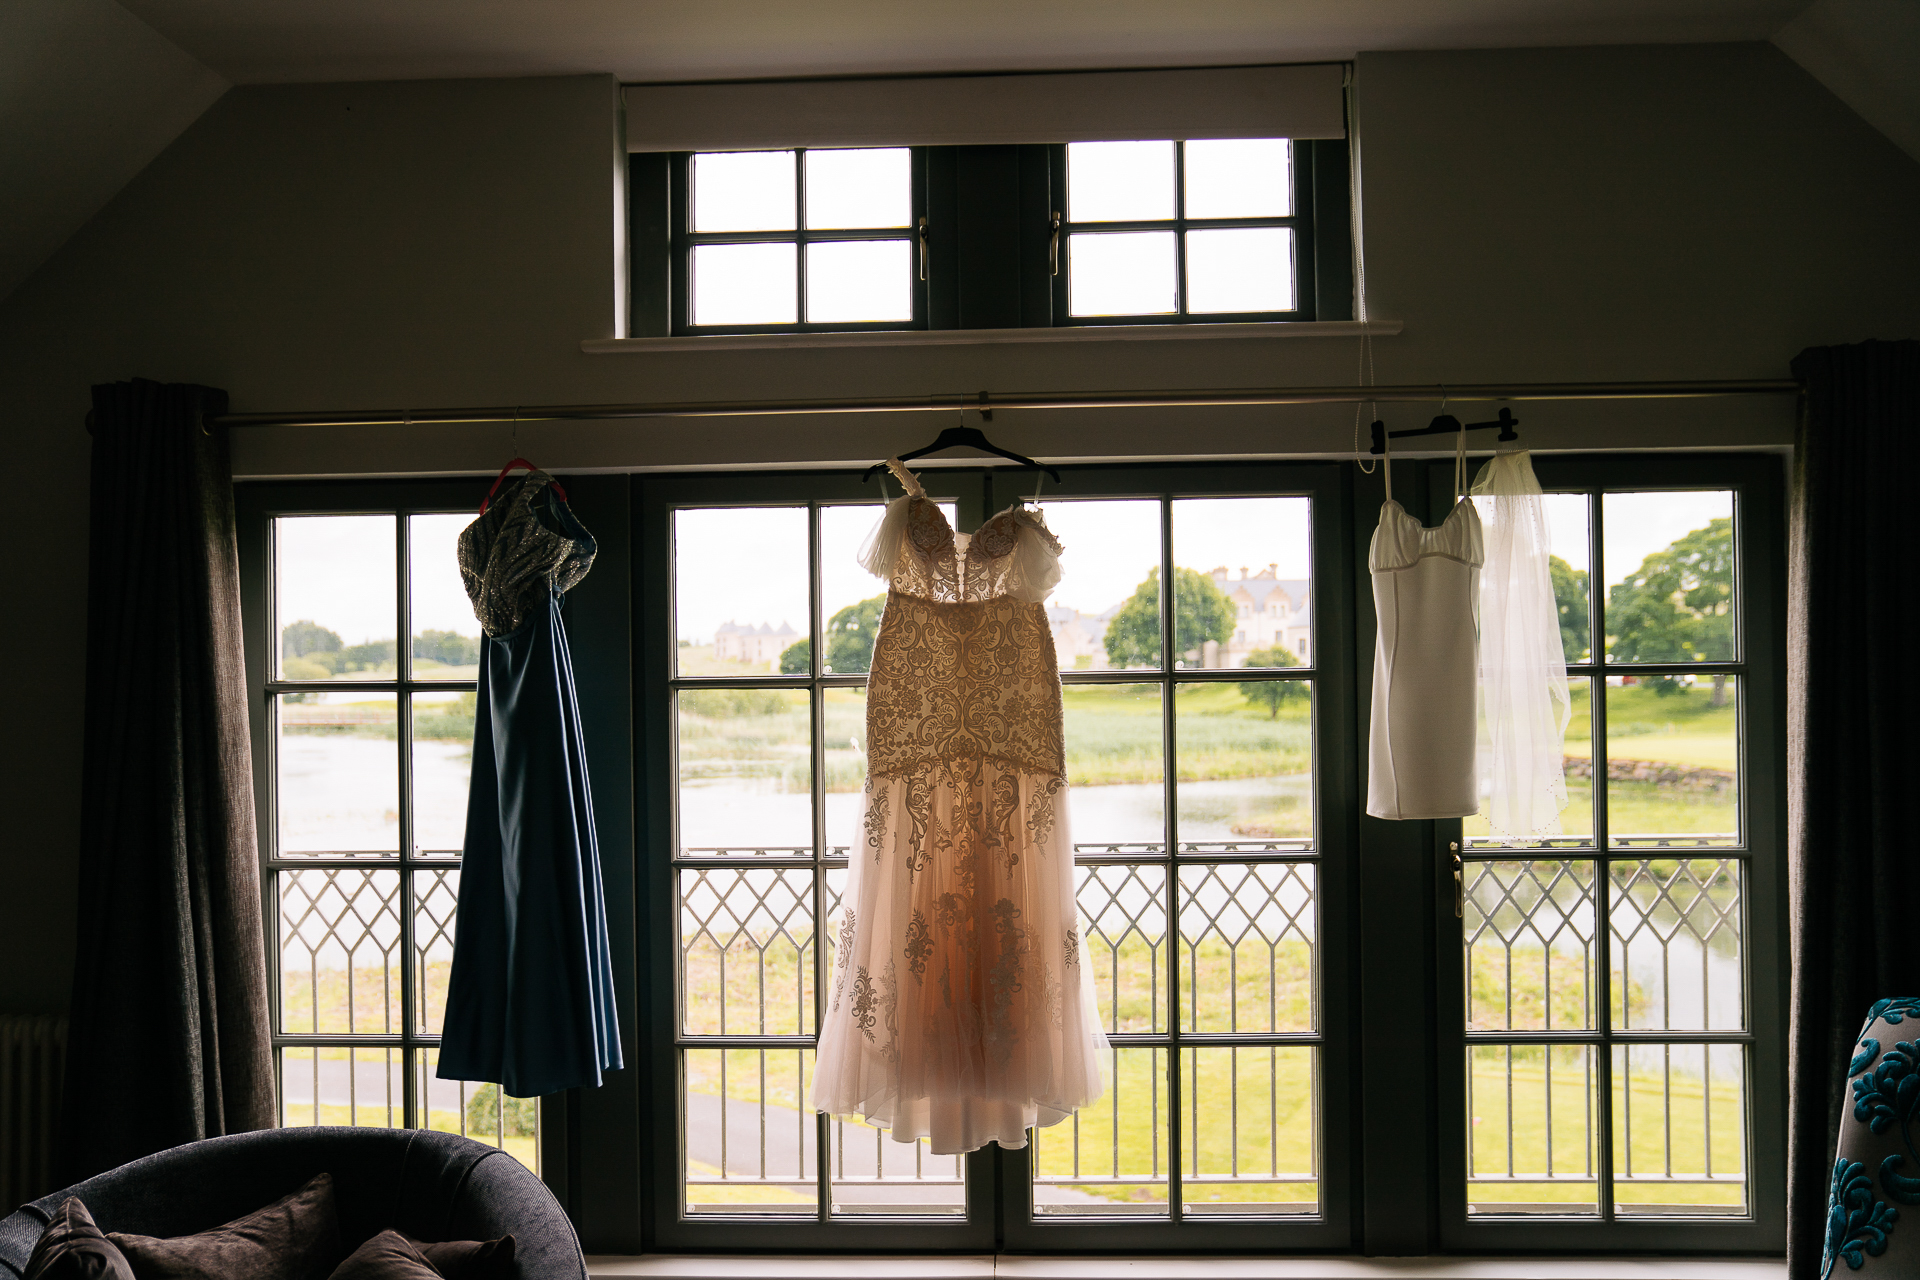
pixel 1853 758
pixel 168 1039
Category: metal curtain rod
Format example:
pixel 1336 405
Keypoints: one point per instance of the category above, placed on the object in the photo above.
pixel 1026 400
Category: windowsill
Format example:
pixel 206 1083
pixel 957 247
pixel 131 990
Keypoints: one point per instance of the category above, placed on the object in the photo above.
pixel 980 1267
pixel 994 337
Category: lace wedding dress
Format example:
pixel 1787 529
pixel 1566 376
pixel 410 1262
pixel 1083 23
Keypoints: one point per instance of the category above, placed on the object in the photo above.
pixel 962 1005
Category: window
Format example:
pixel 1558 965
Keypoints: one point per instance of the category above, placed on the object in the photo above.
pixel 1618 980
pixel 362 664
pixel 1178 229
pixel 1170 231
pixel 1198 830
pixel 807 239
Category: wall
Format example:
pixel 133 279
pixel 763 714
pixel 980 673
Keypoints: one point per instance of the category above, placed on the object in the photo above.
pixel 1694 211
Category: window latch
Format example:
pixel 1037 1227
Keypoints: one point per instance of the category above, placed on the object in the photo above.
pixel 923 246
pixel 1053 245
pixel 1459 882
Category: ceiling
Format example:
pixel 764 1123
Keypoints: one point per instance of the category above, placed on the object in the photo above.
pixel 248 41
pixel 102 87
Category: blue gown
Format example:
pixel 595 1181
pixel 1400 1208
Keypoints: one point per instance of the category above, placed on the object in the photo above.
pixel 530 997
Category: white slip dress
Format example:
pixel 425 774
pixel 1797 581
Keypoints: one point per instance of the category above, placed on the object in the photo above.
pixel 1426 588
pixel 962 1004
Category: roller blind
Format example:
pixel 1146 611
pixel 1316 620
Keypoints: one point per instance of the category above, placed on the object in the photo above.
pixel 1095 106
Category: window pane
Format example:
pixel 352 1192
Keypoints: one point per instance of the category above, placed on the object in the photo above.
pixel 746 772
pixel 1529 929
pixel 851 599
pixel 844 730
pixel 1123 920
pixel 1243 588
pixel 1247 947
pixel 1569 539
pixel 1669 562
pixel 1679 1129
pixel 339 951
pixel 1576 820
pixel 1531 1123
pixel 743 191
pixel 336 1085
pixel 751 1141
pixel 446 636
pixel 442 771
pixel 745 284
pixel 1110 1159
pixel 1673 750
pixel 479 1111
pixel 1240 269
pixel 1676 945
pixel 1245 757
pixel 1105 610
pixel 1239 178
pixel 874 1175
pixel 1116 767
pixel 740 590
pixel 852 281
pixel 746 951
pixel 339 780
pixel 436 896
pixel 1119 181
pixel 868 187
pixel 1250 1142
pixel 334 595
pixel 1121 273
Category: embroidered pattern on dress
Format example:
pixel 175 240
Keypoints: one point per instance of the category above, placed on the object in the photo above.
pixel 842 957
pixel 1073 948
pixel 1040 810
pixel 864 1003
pixel 919 944
pixel 876 816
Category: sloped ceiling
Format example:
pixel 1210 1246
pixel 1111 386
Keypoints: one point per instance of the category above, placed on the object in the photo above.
pixel 90 91
pixel 88 95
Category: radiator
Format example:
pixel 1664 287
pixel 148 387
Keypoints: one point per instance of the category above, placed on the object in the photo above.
pixel 32 1058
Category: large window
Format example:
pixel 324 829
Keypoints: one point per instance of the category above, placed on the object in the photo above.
pixel 1202 824
pixel 1150 232
pixel 363 655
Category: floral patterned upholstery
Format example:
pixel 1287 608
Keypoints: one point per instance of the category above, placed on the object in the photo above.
pixel 1876 1170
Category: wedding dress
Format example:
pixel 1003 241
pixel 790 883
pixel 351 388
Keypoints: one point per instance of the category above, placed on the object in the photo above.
pixel 962 1006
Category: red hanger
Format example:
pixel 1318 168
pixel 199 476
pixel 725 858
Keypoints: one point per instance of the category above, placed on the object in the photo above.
pixel 501 479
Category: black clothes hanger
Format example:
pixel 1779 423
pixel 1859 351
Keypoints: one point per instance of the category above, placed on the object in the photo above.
pixel 972 438
pixel 1446 424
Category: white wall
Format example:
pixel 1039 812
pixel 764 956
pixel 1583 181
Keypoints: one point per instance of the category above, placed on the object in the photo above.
pixel 1686 212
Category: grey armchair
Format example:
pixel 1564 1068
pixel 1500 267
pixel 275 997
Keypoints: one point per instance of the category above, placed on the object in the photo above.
pixel 434 1186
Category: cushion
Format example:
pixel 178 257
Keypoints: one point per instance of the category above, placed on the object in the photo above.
pixel 72 1248
pixel 388 1256
pixel 294 1238
pixel 470 1259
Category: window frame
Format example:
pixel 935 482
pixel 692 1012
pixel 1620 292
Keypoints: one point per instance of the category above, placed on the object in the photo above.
pixel 684 239
pixel 1301 155
pixel 1756 482
pixel 988 208
pixel 998 1216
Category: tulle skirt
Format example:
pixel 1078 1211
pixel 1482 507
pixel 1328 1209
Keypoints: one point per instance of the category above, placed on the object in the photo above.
pixel 962 1006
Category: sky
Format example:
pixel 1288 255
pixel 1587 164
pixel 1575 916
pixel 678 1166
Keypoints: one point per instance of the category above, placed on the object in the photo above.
pixel 338 571
pixel 1636 524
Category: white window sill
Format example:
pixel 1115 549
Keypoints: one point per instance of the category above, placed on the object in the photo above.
pixel 681 1267
pixel 993 337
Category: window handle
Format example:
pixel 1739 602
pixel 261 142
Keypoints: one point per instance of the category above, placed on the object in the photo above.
pixel 1053 245
pixel 923 246
pixel 1459 883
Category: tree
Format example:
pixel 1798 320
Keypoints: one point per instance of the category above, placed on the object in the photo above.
pixel 1570 599
pixel 851 633
pixel 298 639
pixel 447 647
pixel 1273 694
pixel 1201 612
pixel 1678 606
pixel 850 636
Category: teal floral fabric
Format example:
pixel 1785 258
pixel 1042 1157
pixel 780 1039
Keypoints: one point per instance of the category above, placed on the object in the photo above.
pixel 1877 1168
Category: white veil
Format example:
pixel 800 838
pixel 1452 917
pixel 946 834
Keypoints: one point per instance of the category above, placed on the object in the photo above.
pixel 1524 706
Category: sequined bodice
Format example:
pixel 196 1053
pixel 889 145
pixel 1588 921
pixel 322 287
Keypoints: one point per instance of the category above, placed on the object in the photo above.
pixel 526 545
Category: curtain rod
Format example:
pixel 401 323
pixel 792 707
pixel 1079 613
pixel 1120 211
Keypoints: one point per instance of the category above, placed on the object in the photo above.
pixel 1025 400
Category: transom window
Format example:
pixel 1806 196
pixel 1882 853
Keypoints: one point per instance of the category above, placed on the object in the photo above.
pixel 802 238
pixel 1176 229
